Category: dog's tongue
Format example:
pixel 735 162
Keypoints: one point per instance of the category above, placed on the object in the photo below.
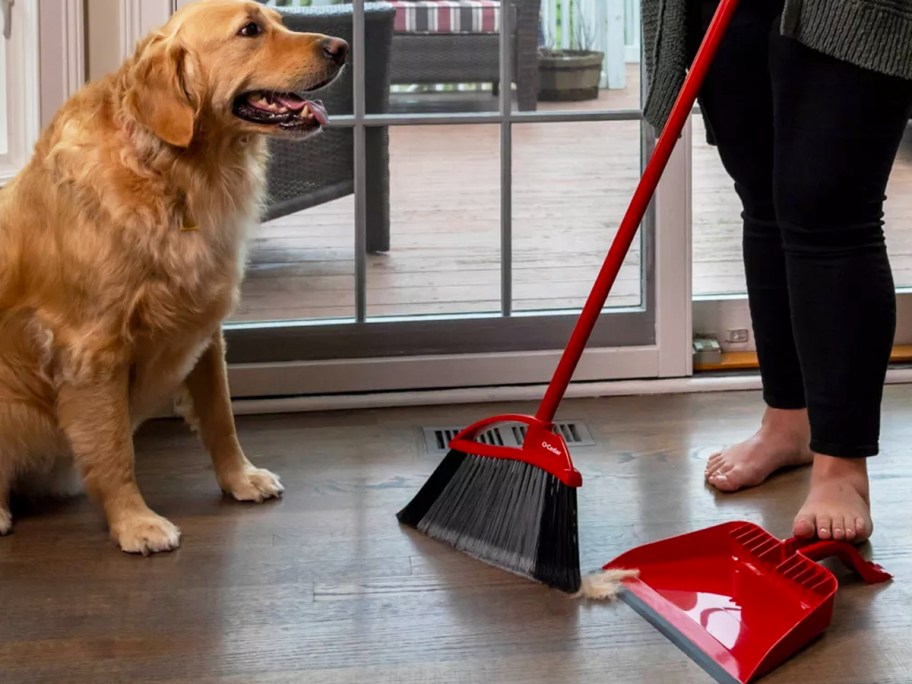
pixel 296 104
pixel 293 102
pixel 319 111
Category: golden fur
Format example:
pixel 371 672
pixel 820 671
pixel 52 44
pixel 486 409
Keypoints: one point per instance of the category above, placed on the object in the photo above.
pixel 122 251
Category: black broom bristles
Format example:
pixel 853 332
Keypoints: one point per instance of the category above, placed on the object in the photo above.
pixel 504 512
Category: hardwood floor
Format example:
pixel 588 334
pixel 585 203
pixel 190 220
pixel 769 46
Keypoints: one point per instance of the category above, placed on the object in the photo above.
pixel 324 587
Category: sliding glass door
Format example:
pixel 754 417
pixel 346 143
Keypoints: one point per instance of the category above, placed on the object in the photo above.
pixel 719 289
pixel 445 229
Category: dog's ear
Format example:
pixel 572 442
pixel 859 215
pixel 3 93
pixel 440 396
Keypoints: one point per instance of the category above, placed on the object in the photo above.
pixel 162 96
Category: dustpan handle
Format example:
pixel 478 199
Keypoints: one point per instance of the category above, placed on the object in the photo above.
pixel 817 550
pixel 635 211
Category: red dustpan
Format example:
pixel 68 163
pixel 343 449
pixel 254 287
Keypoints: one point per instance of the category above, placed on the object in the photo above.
pixel 736 599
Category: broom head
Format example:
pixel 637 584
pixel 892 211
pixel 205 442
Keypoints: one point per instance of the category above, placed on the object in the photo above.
pixel 512 508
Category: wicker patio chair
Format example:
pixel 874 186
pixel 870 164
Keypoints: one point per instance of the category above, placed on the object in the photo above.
pixel 434 56
pixel 321 169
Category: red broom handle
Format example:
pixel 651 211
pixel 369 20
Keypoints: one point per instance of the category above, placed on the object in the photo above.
pixel 634 216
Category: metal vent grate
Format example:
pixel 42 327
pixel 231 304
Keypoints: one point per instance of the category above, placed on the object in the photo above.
pixel 574 432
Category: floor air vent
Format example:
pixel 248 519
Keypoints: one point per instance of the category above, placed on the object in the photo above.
pixel 574 432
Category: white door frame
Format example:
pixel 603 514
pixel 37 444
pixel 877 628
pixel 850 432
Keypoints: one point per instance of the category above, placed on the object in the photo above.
pixel 62 61
pixel 140 17
pixel 22 95
pixel 46 66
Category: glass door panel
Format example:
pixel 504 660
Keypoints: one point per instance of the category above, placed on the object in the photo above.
pixel 473 208
pixel 571 186
pixel 719 286
pixel 444 257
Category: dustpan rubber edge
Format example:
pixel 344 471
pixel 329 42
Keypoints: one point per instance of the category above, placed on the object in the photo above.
pixel 695 653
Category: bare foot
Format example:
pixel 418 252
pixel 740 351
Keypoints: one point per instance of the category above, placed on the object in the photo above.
pixel 781 442
pixel 838 505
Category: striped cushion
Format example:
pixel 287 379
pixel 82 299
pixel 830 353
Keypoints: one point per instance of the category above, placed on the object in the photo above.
pixel 447 16
pixel 288 3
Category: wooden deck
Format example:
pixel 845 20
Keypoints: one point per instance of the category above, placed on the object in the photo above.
pixel 572 182
pixel 717 264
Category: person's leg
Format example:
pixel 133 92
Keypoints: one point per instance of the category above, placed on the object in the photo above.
pixel 737 103
pixel 837 131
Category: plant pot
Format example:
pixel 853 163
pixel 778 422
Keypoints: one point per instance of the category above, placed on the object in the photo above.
pixel 569 75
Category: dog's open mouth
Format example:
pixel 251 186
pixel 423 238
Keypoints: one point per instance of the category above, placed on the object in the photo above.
pixel 285 110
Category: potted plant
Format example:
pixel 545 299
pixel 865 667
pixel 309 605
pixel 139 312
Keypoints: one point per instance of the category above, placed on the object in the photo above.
pixel 572 74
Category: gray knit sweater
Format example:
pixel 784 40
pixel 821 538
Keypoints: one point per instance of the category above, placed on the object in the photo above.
pixel 874 34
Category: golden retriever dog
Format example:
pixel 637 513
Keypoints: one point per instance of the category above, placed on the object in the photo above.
pixel 122 248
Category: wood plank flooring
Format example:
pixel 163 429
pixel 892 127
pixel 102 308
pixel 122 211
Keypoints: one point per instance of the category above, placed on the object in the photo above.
pixel 323 587
pixel 571 186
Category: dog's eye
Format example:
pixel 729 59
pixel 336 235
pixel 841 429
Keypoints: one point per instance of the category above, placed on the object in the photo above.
pixel 250 30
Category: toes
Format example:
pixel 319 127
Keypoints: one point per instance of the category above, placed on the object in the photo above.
pixel 718 479
pixel 862 529
pixel 718 473
pixel 851 529
pixel 723 479
pixel 724 469
pixel 6 522
pixel 827 527
pixel 824 527
pixel 804 527
pixel 839 529
pixel 713 464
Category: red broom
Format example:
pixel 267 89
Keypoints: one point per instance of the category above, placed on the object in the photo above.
pixel 516 508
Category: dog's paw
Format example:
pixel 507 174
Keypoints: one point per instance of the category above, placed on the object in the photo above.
pixel 146 533
pixel 6 522
pixel 253 484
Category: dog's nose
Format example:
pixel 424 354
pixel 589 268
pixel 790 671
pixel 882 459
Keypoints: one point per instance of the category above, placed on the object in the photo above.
pixel 336 49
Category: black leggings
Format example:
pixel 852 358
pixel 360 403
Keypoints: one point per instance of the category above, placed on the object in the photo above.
pixel 809 142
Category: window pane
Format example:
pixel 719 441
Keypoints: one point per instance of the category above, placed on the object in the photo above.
pixel 898 214
pixel 718 267
pixel 301 264
pixel 330 18
pixel 586 55
pixel 444 235
pixel 572 183
pixel 426 57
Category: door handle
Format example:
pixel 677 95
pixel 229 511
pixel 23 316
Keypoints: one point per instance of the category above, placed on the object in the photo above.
pixel 6 6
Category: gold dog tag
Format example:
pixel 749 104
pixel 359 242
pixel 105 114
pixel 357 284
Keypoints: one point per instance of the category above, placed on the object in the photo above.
pixel 189 228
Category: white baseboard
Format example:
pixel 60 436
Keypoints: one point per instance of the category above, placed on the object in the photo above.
pixel 731 383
